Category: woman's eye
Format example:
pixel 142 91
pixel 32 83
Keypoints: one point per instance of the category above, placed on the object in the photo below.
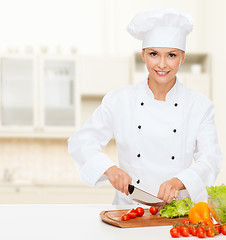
pixel 172 55
pixel 153 54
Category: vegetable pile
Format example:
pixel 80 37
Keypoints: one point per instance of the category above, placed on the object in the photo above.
pixel 200 230
pixel 200 222
pixel 177 208
pixel 218 194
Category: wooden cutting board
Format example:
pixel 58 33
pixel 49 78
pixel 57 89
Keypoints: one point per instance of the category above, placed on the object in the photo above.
pixel 113 217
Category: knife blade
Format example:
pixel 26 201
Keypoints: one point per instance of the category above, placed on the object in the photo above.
pixel 143 197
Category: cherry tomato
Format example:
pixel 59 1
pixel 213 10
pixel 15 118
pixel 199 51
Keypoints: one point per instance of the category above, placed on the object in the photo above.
pixel 223 229
pixel 203 225
pixel 217 228
pixel 193 231
pixel 132 210
pixel 153 210
pixel 175 232
pixel 139 211
pixel 201 233
pixel 132 214
pixel 181 226
pixel 210 231
pixel 185 231
pixel 187 222
pixel 125 217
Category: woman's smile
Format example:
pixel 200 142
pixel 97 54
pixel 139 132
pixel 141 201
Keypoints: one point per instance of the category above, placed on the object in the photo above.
pixel 162 73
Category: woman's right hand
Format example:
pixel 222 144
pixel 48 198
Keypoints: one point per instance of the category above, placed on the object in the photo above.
pixel 119 179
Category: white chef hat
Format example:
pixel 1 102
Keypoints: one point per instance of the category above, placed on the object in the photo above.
pixel 161 28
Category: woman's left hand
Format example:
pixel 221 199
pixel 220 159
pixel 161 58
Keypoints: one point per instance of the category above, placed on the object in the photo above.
pixel 170 190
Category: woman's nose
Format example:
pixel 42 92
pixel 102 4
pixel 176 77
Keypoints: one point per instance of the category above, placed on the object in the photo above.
pixel 162 63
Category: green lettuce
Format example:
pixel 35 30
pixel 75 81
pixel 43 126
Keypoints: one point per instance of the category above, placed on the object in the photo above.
pixel 177 208
pixel 218 201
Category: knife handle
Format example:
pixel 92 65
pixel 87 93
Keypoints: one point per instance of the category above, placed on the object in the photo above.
pixel 130 188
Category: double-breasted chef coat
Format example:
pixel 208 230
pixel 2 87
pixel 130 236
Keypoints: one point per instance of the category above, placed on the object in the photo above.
pixel 156 140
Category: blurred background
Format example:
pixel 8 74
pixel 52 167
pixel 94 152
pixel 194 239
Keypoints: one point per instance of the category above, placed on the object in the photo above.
pixel 57 61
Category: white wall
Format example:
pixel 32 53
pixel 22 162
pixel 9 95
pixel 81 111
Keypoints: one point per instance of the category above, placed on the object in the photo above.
pixel 52 23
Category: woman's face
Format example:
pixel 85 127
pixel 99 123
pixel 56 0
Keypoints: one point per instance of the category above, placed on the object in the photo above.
pixel 162 63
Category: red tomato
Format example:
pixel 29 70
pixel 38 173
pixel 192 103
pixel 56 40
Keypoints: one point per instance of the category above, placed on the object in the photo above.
pixel 153 210
pixel 185 231
pixel 181 226
pixel 187 222
pixel 217 228
pixel 210 231
pixel 201 233
pixel 139 211
pixel 193 231
pixel 132 210
pixel 125 217
pixel 202 224
pixel 132 214
pixel 223 229
pixel 175 232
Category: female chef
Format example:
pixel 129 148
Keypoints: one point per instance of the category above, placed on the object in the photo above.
pixel 159 125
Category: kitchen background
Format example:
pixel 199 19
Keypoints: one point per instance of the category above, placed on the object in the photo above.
pixel 58 59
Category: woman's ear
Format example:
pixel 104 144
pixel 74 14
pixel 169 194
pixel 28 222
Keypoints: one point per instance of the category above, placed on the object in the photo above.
pixel 143 55
pixel 183 57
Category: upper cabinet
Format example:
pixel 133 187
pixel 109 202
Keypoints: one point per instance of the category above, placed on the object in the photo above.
pixel 51 95
pixel 39 96
pixel 100 74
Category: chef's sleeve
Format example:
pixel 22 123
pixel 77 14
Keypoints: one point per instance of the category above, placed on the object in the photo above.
pixel 207 159
pixel 85 146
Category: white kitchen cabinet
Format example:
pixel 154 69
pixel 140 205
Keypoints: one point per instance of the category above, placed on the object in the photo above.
pixel 100 74
pixel 40 96
pixel 200 82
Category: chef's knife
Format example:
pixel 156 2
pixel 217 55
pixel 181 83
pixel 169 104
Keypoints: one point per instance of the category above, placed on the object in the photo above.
pixel 143 197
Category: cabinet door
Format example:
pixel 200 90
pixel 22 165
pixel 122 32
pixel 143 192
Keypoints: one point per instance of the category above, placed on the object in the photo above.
pixel 58 92
pixel 17 91
pixel 200 83
pixel 100 74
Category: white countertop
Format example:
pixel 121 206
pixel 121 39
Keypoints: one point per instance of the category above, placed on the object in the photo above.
pixel 67 222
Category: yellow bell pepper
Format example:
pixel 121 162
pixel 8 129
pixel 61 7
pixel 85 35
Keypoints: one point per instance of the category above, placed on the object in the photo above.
pixel 200 212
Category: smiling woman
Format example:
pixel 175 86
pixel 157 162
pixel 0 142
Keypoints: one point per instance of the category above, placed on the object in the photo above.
pixel 159 125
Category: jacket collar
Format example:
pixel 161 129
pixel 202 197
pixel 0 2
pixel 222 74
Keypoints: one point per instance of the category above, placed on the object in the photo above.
pixel 170 96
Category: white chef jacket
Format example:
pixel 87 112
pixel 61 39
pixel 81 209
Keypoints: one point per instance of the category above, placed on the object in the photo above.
pixel 156 140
